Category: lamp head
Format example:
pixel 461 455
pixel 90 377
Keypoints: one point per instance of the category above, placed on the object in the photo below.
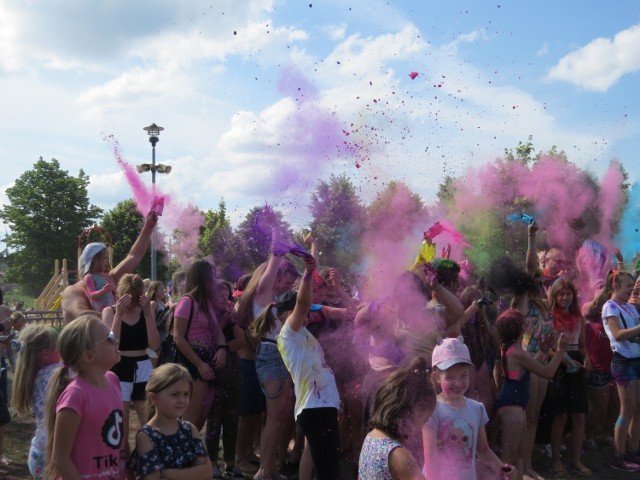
pixel 145 167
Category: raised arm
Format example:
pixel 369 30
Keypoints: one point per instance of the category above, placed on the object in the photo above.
pixel 304 298
pixel 264 290
pixel 532 254
pixel 138 249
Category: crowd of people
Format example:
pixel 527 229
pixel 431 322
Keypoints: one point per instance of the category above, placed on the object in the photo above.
pixel 444 377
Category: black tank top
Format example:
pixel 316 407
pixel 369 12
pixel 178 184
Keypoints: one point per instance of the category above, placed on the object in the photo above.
pixel 134 337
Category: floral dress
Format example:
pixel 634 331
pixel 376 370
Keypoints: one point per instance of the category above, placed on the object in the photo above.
pixel 374 458
pixel 179 450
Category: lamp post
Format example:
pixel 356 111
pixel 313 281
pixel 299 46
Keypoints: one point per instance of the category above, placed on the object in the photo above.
pixel 153 131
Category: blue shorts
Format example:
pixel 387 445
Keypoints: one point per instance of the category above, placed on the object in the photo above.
pixel 625 370
pixel 270 367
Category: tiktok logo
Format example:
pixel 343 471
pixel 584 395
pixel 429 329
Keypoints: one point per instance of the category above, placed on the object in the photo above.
pixel 112 429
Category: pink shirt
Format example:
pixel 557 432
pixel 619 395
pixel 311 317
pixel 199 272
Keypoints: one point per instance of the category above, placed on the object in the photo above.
pixel 98 449
pixel 202 331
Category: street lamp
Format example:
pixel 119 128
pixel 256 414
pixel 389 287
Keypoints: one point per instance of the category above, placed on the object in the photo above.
pixel 154 131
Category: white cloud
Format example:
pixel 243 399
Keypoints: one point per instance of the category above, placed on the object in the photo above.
pixel 469 37
pixel 335 32
pixel 602 62
pixel 543 50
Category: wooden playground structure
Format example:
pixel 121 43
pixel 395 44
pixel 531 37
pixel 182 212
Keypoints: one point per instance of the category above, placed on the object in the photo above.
pixel 47 307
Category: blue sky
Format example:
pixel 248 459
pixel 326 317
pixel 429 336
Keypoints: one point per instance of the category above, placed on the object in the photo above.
pixel 490 74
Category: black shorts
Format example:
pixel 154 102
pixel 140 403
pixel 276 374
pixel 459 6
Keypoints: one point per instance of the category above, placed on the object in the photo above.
pixel 567 392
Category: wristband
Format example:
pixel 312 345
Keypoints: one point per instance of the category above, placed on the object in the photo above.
pixel 223 347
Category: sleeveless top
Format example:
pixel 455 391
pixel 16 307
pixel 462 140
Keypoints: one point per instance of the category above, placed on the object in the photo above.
pixel 169 451
pixel 515 389
pixel 133 337
pixel 538 330
pixel 374 458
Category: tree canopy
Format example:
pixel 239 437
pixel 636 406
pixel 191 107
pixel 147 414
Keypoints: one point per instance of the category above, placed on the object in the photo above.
pixel 47 210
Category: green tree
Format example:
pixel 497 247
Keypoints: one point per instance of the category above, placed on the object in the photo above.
pixel 254 236
pixel 338 220
pixel 217 238
pixel 47 210
pixel 124 222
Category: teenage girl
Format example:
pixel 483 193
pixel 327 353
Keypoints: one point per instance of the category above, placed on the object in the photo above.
pixel 514 394
pixel 167 446
pixel 317 398
pixel 133 325
pixel 35 364
pixel 622 325
pixel 568 390
pixel 84 414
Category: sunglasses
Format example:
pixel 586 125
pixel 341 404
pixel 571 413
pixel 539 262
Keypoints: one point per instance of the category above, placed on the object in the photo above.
pixel 111 338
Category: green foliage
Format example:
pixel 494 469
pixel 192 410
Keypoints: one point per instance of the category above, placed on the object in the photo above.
pixel 254 237
pixel 217 238
pixel 338 220
pixel 47 210
pixel 447 190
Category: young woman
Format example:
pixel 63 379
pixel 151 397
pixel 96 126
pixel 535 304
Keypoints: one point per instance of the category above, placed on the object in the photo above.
pixel 198 336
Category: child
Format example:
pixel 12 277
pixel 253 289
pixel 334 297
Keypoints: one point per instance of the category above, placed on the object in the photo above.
pixel 35 364
pixel 402 405
pixel 84 415
pixel 514 395
pixel 622 325
pixel 455 433
pixel 167 445
pixel 99 285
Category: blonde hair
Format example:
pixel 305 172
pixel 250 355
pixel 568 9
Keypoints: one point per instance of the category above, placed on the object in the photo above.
pixel 18 316
pixel 34 339
pixel 152 291
pixel 74 340
pixel 163 377
pixel 131 284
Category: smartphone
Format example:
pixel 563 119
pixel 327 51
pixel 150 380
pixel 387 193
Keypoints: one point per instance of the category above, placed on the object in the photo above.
pixel 158 205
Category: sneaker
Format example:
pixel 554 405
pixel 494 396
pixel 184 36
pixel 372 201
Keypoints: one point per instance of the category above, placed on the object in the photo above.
pixel 633 457
pixel 233 472
pixel 619 463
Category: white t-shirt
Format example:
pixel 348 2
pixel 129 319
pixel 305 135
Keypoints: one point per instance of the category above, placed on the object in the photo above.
pixel 631 317
pixel 457 433
pixel 313 380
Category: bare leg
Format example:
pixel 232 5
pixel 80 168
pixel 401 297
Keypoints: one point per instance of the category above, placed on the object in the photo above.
pixel 627 410
pixel 513 422
pixel 305 471
pixel 538 389
pixel 200 403
pixel 278 410
pixel 577 439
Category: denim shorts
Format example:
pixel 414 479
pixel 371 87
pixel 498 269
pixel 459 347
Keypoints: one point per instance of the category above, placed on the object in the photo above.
pixel 270 367
pixel 625 370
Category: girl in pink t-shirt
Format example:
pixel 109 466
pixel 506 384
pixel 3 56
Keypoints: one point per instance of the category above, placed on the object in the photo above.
pixel 84 412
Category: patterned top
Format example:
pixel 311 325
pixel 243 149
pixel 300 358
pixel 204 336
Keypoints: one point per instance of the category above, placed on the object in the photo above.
pixel 40 384
pixel 169 451
pixel 538 331
pixel 374 458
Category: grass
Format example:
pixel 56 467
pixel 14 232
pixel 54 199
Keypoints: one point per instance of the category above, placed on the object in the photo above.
pixel 17 295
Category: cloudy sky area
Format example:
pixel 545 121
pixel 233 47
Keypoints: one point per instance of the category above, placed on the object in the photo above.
pixel 257 97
